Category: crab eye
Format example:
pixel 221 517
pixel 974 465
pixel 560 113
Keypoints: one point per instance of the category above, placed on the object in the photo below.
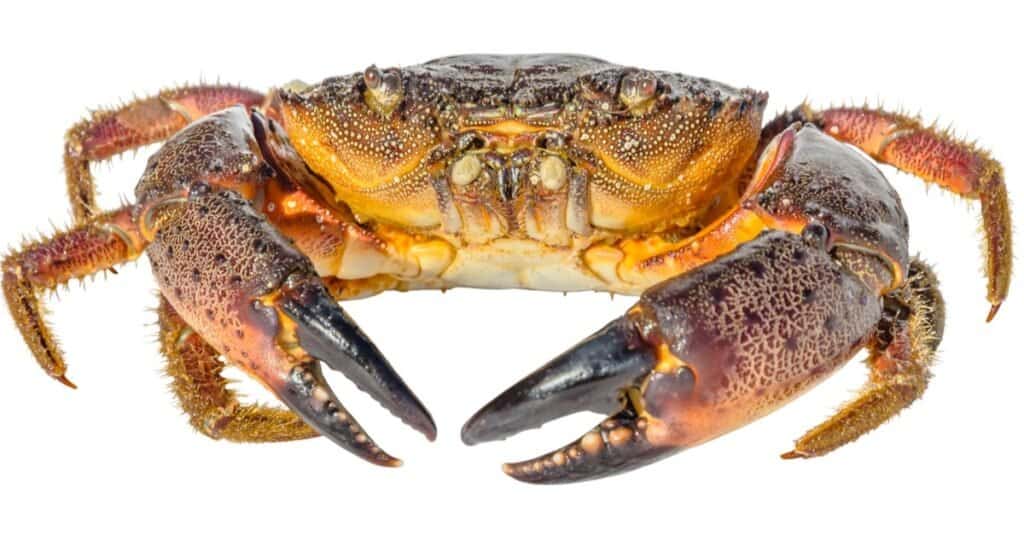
pixel 372 76
pixel 383 89
pixel 637 88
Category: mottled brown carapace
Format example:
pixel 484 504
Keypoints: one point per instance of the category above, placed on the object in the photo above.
pixel 512 134
pixel 765 256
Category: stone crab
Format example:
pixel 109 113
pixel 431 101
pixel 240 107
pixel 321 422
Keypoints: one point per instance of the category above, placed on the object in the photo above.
pixel 765 255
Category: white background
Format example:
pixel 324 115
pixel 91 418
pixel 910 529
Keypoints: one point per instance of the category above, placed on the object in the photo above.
pixel 118 455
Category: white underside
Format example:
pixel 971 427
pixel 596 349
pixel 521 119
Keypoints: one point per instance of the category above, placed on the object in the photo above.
pixel 510 263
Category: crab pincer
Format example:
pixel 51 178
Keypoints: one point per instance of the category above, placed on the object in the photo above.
pixel 259 302
pixel 696 357
pixel 256 299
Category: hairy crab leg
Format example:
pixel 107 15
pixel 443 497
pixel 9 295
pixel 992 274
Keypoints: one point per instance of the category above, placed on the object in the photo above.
pixel 936 157
pixel 902 353
pixel 98 244
pixel 229 274
pixel 107 133
pixel 889 138
pixel 213 409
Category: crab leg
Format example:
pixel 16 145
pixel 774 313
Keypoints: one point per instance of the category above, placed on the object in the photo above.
pixel 902 353
pixel 889 138
pixel 938 158
pixel 213 408
pixel 96 245
pixel 107 133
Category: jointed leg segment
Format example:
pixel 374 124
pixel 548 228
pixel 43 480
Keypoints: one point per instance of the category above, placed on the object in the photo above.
pixel 936 157
pixel 235 279
pixel 98 244
pixel 213 408
pixel 902 353
pixel 141 122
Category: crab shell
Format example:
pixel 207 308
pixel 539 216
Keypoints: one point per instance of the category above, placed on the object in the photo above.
pixel 524 166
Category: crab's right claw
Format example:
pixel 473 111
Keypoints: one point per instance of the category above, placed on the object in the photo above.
pixel 306 327
pixel 254 297
pixel 327 333
pixel 305 391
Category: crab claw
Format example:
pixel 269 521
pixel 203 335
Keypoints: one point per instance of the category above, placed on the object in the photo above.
pixel 618 444
pixel 699 355
pixel 327 333
pixel 298 326
pixel 588 377
pixel 256 299
pixel 598 374
pixel 306 392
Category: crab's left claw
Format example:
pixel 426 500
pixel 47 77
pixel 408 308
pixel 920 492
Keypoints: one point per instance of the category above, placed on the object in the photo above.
pixel 618 444
pixel 588 377
pixel 698 356
pixel 600 374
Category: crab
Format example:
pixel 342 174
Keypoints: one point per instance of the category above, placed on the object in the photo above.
pixel 764 256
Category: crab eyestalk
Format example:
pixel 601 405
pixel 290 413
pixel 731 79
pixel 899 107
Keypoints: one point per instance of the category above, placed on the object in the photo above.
pixel 637 90
pixel 383 89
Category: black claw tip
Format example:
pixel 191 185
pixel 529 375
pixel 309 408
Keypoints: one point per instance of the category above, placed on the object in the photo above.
pixel 589 376
pixel 307 393
pixel 327 333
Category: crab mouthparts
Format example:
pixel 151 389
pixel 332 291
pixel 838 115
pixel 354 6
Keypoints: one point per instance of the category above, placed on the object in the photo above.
pixel 509 182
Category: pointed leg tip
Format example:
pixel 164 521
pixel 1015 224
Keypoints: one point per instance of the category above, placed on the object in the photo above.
pixel 482 427
pixel 65 381
pixel 418 419
pixel 794 454
pixel 992 312
pixel 371 452
pixel 523 473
